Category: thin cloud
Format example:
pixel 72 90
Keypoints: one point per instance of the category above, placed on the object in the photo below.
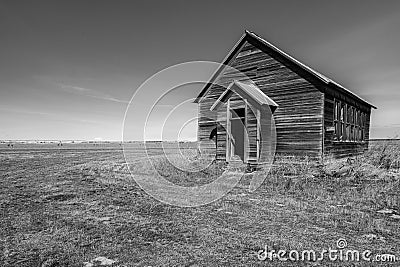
pixel 51 116
pixel 91 93
pixel 21 111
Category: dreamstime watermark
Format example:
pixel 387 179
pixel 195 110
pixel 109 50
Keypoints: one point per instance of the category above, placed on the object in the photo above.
pixel 338 254
pixel 147 115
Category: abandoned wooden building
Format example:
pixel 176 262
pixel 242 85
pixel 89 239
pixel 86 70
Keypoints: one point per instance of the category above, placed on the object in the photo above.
pixel 312 114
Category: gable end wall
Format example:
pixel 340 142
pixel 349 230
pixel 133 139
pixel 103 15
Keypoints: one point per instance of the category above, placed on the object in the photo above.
pixel 299 117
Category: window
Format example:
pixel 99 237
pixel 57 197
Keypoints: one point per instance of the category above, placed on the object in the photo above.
pixel 213 133
pixel 336 123
pixel 349 123
pixel 239 113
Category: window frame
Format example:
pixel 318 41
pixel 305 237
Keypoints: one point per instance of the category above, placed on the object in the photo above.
pixel 349 123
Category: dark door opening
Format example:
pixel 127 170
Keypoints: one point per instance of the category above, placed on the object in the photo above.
pixel 238 121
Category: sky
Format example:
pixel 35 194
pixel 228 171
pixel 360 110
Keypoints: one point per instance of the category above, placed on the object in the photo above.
pixel 68 69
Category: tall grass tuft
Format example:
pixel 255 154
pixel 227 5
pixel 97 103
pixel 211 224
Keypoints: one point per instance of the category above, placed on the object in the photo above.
pixel 385 154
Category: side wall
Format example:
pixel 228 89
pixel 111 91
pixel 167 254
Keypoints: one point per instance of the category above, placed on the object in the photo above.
pixel 299 118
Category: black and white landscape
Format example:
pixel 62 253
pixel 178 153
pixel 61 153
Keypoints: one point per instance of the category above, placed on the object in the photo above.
pixel 208 133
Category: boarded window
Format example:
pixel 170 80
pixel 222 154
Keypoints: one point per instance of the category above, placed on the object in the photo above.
pixel 349 123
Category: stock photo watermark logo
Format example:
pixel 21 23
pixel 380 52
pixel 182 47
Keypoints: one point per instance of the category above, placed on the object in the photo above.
pixel 150 114
pixel 338 254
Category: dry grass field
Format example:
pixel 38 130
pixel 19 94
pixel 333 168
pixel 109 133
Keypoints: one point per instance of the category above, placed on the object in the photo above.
pixel 65 206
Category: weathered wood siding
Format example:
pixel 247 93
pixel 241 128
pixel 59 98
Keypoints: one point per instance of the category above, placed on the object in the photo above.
pixel 299 118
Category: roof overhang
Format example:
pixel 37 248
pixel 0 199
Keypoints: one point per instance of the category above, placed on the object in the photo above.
pixel 249 92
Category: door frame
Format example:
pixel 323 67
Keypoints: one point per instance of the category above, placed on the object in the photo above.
pixel 229 147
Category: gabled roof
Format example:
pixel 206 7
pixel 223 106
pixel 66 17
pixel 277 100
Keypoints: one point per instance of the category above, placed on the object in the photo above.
pixel 264 45
pixel 248 91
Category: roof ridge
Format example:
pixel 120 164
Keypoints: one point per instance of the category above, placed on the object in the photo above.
pixel 260 40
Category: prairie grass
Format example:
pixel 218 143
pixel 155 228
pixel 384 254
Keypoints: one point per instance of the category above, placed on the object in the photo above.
pixel 188 171
pixel 385 154
pixel 371 179
pixel 66 208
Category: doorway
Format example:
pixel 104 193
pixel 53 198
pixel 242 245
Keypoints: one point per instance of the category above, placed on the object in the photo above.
pixel 237 133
